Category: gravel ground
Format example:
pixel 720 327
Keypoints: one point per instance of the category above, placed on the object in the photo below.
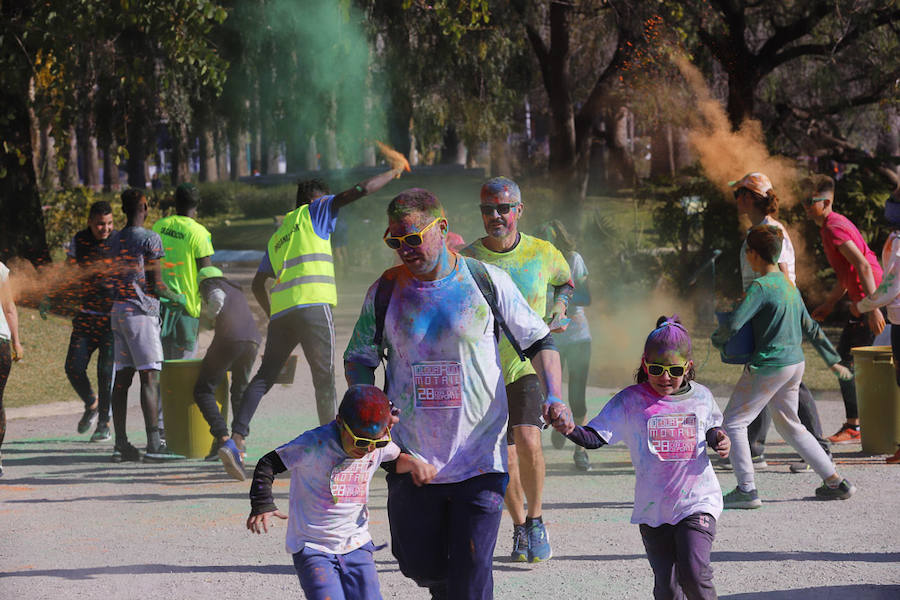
pixel 74 525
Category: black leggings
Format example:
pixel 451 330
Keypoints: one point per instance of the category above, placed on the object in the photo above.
pixel 5 365
pixel 578 356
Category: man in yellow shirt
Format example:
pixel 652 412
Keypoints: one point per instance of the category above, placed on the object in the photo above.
pixel 533 264
pixel 188 249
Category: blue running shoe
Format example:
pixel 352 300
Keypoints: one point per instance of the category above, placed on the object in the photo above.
pixel 232 461
pixel 538 543
pixel 520 544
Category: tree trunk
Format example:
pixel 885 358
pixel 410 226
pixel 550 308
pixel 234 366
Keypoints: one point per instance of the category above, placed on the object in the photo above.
pixel 137 153
pixel 221 156
pixel 181 154
pixel 237 143
pixel 741 102
pixel 312 155
pixel 331 150
pixel 208 166
pixel 70 169
pixel 91 155
pixel 296 147
pixel 111 181
pixel 21 220
pixel 662 152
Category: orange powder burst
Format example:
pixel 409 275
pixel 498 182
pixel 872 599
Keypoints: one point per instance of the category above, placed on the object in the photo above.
pixel 394 158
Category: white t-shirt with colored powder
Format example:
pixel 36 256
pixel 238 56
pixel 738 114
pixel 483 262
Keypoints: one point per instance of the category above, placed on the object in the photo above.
pixel 443 366
pixel 329 491
pixel 786 258
pixel 4 326
pixel 666 437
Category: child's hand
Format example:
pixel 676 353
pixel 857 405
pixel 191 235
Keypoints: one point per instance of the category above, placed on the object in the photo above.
pixel 421 472
pixel 260 523
pixel 723 444
pixel 876 321
pixel 842 372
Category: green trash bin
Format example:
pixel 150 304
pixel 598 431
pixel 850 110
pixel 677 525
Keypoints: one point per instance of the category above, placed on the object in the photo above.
pixel 879 399
pixel 187 432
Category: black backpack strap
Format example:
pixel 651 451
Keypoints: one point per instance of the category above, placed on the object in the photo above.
pixel 382 299
pixel 486 285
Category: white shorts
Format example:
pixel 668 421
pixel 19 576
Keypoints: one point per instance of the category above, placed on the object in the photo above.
pixel 137 341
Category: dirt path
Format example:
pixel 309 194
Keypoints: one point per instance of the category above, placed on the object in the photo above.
pixel 74 525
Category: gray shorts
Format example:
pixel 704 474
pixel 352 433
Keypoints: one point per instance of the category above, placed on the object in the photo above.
pixel 136 341
pixel 526 404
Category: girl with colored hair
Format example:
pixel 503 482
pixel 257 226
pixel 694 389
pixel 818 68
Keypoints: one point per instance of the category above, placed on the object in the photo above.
pixel 668 421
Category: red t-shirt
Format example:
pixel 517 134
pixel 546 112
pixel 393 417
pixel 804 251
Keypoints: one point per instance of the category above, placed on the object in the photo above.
pixel 836 231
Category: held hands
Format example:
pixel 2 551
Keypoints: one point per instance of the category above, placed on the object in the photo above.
pixel 260 523
pixel 876 321
pixel 842 372
pixel 723 444
pixel 558 415
pixel 421 472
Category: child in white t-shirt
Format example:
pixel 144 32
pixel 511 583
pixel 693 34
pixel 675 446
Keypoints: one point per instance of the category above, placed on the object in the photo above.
pixel 10 345
pixel 668 421
pixel 331 467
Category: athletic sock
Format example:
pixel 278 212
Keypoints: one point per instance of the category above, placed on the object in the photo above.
pixel 530 520
pixel 834 485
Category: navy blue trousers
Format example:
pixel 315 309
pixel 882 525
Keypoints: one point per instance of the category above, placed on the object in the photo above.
pixel 443 535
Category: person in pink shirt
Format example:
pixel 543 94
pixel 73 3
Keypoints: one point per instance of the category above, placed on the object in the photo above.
pixel 858 275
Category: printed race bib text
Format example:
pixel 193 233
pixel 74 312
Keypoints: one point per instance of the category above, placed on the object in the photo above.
pixel 438 384
pixel 673 437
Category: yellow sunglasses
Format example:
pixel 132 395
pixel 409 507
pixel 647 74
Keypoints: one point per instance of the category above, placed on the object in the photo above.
pixel 410 239
pixel 361 442
pixel 673 370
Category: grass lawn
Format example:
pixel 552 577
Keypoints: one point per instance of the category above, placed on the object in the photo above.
pixel 40 376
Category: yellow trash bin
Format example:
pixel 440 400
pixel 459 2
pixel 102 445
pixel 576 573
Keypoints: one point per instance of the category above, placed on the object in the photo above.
pixel 187 432
pixel 879 399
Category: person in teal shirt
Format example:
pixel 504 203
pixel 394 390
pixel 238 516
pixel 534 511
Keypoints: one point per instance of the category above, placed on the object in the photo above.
pixel 780 321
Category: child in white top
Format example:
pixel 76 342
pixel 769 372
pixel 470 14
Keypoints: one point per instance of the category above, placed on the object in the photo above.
pixel 668 421
pixel 331 467
pixel 10 346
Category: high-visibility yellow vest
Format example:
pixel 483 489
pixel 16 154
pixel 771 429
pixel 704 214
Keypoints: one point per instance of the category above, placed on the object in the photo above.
pixel 302 262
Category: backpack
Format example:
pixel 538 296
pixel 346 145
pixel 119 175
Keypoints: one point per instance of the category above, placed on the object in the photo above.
pixel 386 288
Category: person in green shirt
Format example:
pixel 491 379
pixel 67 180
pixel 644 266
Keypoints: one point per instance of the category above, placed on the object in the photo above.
pixel 780 321
pixel 188 249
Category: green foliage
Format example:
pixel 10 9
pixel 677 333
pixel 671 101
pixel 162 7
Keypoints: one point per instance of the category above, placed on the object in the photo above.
pixel 692 219
pixel 65 213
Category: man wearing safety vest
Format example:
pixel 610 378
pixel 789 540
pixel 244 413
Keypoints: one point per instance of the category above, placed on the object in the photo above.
pixel 299 259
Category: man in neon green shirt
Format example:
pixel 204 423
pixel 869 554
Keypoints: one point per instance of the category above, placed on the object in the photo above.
pixel 188 249
pixel 533 264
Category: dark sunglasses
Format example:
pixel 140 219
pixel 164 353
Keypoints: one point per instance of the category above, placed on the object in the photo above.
pixel 673 370
pixel 812 201
pixel 410 239
pixel 502 209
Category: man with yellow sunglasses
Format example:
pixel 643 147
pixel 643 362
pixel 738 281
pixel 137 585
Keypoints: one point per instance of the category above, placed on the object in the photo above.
pixel 443 371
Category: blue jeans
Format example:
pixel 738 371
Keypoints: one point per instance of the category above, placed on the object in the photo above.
pixel 338 576
pixel 90 333
pixel 443 535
